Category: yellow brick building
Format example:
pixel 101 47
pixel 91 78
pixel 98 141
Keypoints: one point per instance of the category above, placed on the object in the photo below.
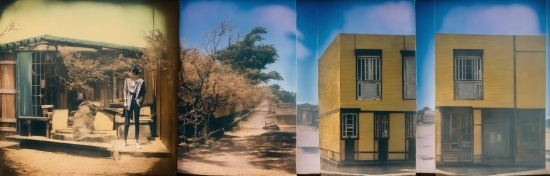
pixel 367 94
pixel 490 99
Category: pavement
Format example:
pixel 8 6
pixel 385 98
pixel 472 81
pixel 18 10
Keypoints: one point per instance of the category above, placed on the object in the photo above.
pixel 149 148
pixel 308 160
pixel 247 149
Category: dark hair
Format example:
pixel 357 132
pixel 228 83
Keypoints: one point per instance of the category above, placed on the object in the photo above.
pixel 135 70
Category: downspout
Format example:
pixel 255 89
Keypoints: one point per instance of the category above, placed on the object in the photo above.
pixel 515 106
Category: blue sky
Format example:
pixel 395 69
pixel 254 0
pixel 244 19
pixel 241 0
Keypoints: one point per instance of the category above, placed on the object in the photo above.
pixel 470 17
pixel 320 21
pixel 278 17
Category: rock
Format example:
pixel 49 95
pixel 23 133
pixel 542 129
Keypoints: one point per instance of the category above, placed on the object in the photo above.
pixel 83 121
pixel 103 121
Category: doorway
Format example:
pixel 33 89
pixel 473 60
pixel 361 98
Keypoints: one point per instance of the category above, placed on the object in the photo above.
pixel 456 138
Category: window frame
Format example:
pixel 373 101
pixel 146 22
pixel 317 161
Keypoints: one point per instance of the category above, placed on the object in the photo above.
pixel 404 55
pixel 344 124
pixel 464 54
pixel 379 117
pixel 359 83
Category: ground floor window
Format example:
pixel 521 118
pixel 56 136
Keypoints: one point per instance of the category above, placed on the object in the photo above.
pixel 349 125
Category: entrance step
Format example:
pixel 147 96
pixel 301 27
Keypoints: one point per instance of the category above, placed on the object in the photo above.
pixel 63 136
pixel 99 137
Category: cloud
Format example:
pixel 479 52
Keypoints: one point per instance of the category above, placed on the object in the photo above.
pixel 393 18
pixel 388 18
pixel 302 52
pixel 512 19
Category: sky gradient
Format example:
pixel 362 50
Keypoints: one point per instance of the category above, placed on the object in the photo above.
pixel 320 21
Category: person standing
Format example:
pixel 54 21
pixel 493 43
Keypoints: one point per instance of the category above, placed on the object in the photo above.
pixel 134 93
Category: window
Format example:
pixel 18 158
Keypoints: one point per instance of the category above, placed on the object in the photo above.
pixel 369 74
pixel 409 75
pixel 410 130
pixel 468 74
pixel 381 125
pixel 349 125
pixel 43 79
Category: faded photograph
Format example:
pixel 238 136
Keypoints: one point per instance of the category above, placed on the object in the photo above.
pixel 362 61
pixel 490 87
pixel 80 91
pixel 236 91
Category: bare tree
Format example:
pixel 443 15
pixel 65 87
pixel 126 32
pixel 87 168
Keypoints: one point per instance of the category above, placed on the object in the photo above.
pixel 12 26
pixel 154 56
pixel 220 38
pixel 206 85
pixel 82 69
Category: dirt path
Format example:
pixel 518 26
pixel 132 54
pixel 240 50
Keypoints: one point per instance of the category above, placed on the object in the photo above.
pixel 246 150
pixel 21 161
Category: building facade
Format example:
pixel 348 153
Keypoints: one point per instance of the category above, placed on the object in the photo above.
pixel 367 94
pixel 31 69
pixel 490 99
pixel 307 114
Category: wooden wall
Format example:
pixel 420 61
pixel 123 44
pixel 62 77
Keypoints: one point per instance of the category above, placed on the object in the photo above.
pixel 167 99
pixel 7 95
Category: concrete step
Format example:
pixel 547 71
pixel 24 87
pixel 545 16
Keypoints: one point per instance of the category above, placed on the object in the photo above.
pixel 63 136
pixel 103 137
pixel 144 131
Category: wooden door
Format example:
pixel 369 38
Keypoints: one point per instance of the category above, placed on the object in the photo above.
pixel 7 96
pixel 457 143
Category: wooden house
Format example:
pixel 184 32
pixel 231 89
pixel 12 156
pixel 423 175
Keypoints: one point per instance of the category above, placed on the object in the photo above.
pixel 29 70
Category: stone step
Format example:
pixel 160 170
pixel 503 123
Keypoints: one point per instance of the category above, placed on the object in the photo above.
pixel 63 136
pixel 144 131
pixel 66 131
pixel 98 138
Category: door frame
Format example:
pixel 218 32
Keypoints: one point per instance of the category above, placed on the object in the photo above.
pixel 468 111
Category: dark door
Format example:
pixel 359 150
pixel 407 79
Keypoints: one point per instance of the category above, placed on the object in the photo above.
pixel 382 134
pixel 496 143
pixel 410 136
pixel 383 149
pixel 350 149
pixel 530 136
pixel 457 145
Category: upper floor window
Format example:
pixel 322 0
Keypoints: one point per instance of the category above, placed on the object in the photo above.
pixel 409 75
pixel 369 74
pixel 468 74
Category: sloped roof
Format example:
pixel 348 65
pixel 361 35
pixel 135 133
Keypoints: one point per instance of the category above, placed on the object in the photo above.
pixel 66 41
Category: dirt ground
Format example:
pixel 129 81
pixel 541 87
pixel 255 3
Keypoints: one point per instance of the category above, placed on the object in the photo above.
pixel 247 149
pixel 15 160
